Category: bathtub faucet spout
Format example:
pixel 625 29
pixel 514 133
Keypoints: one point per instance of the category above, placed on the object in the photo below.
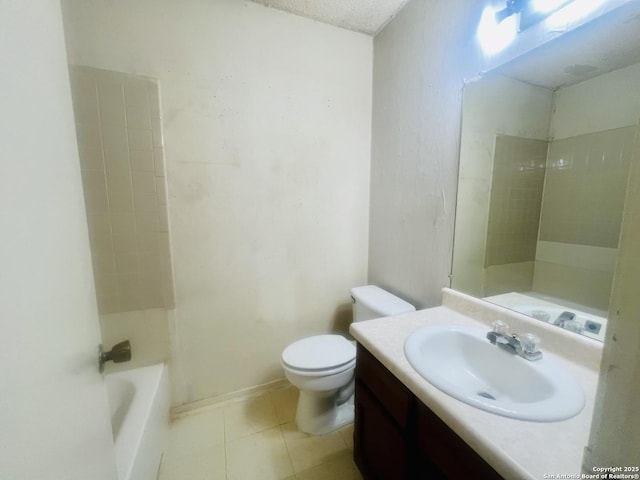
pixel 121 352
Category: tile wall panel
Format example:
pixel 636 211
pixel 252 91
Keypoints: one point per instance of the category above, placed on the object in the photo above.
pixel 118 125
pixel 516 195
pixel 585 188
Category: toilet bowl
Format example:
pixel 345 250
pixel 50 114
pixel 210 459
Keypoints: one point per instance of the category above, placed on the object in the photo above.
pixel 322 366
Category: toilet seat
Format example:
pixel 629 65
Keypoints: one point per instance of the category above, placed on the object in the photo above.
pixel 319 355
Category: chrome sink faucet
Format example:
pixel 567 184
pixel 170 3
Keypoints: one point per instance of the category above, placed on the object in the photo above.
pixel 525 345
pixel 564 318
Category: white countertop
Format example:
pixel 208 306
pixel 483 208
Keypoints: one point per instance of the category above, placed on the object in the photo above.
pixel 516 449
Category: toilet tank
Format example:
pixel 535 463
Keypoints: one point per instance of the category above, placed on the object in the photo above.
pixel 374 302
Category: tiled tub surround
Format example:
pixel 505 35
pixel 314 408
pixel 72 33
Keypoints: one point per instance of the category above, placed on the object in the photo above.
pixel 584 195
pixel 515 199
pixel 585 185
pixel 494 105
pixel 516 196
pixel 149 332
pixel 118 124
pixel 514 448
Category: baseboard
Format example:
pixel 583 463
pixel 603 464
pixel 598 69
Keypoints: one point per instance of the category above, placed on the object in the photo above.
pixel 231 397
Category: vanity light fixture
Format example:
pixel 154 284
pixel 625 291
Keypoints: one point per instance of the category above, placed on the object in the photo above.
pixel 531 11
pixel 497 29
pixel 499 26
pixel 511 8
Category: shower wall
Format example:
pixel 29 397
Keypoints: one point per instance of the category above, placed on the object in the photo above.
pixel 587 176
pixel 569 250
pixel 118 124
pixel 517 184
pixel 119 132
pixel 585 188
pixel 516 196
pixel 562 242
pixel 484 242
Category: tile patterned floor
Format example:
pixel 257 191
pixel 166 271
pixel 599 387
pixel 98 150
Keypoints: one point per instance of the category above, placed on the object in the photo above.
pixel 255 439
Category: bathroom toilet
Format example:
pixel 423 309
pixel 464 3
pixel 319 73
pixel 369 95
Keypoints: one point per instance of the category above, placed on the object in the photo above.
pixel 322 366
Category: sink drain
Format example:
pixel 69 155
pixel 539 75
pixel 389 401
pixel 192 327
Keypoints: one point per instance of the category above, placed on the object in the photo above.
pixel 486 395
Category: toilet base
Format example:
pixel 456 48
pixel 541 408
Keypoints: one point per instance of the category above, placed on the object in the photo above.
pixel 318 413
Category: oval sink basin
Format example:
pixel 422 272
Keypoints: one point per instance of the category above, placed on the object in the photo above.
pixel 460 361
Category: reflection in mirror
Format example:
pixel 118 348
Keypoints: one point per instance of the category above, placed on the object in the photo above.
pixel 543 175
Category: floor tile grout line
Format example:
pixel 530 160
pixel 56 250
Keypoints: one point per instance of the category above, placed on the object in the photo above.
pixel 284 440
pixel 224 434
pixel 269 399
pixel 286 445
pixel 260 429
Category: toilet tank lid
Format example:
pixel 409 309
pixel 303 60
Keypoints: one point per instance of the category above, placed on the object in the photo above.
pixel 381 301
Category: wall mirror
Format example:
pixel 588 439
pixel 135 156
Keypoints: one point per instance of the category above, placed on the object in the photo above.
pixel 546 145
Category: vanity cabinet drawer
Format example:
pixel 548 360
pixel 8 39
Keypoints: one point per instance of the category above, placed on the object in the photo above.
pixel 394 397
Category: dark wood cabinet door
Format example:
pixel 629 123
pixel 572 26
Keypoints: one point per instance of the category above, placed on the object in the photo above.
pixel 379 445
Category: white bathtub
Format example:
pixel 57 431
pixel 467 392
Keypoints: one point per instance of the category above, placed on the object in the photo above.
pixel 139 401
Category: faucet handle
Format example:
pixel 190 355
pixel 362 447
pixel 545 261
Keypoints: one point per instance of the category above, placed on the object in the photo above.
pixel 498 326
pixel 530 343
pixel 120 352
pixel 573 326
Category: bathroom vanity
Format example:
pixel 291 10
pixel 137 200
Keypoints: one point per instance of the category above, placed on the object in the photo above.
pixel 407 428
pixel 398 436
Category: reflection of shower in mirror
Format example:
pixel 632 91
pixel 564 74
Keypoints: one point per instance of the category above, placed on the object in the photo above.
pixel 546 148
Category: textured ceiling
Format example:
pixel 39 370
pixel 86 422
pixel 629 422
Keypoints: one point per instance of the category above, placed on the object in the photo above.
pixel 366 16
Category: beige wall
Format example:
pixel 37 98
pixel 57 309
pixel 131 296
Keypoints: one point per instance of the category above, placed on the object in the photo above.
pixel 614 102
pixel 421 58
pixel 267 142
